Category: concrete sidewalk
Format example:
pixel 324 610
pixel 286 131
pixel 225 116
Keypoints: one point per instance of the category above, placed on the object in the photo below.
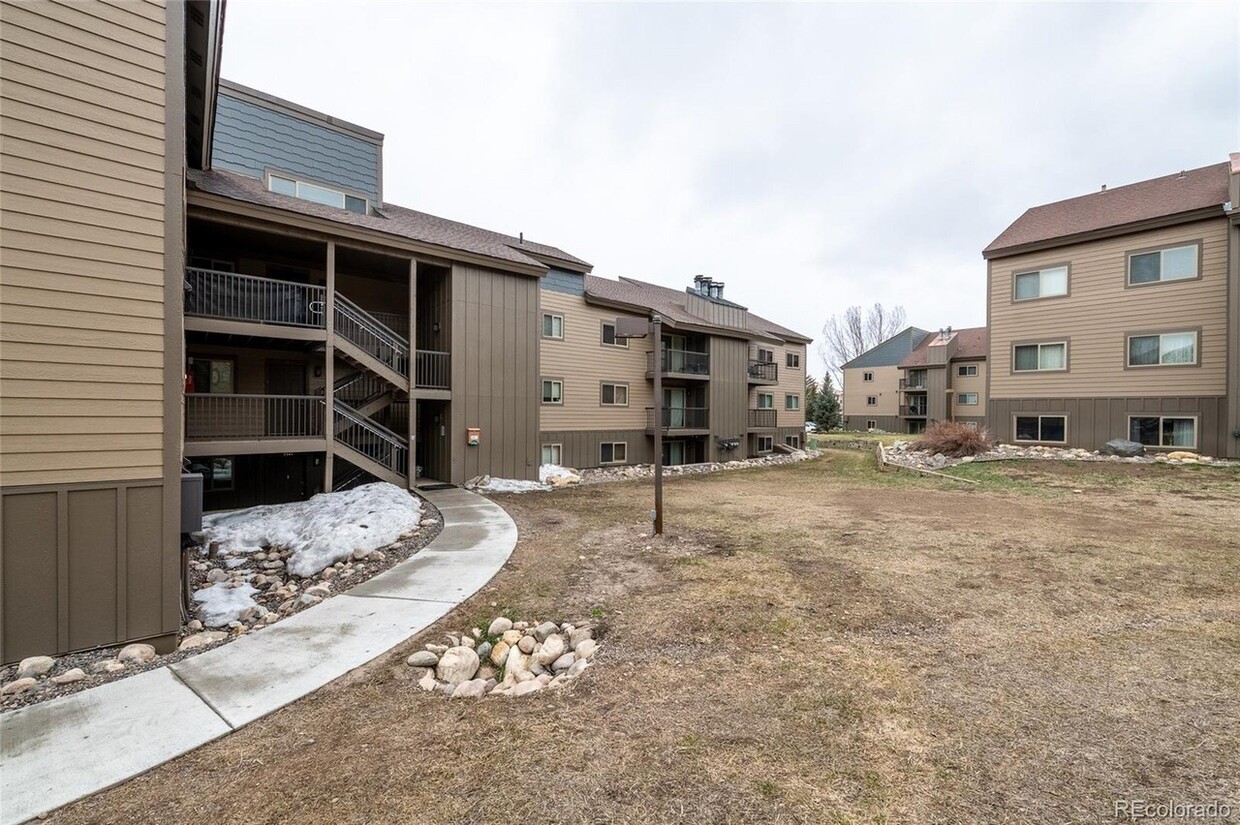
pixel 62 750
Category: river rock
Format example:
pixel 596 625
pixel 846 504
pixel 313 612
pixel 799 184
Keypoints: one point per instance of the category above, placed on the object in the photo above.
pixel 70 676
pixel 564 662
pixel 532 686
pixel 473 689
pixel 457 665
pixel 19 685
pixel 1122 447
pixel 484 650
pixel 1181 455
pixel 544 630
pixel 34 666
pixel 517 668
pixel 500 626
pixel 499 654
pixel 199 639
pixel 136 653
pixel 552 649
pixel 423 658
pixel 526 645
pixel 428 682
pixel 586 649
pixel 511 636
pixel 578 635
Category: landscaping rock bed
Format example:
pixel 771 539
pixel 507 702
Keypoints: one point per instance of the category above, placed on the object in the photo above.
pixel 602 475
pixel 901 454
pixel 263 576
pixel 506 659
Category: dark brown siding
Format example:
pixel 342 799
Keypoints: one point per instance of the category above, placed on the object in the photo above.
pixel 494 374
pixel 729 395
pixel 887 423
pixel 937 384
pixel 83 567
pixel 1094 421
pixel 580 447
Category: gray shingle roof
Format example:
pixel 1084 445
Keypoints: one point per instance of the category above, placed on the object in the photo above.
pixel 890 352
pixel 393 220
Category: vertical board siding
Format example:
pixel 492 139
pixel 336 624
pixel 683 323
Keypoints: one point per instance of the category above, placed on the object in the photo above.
pixel 82 304
pixel 494 374
pixel 580 448
pixel 728 396
pixel 251 138
pixel 1100 311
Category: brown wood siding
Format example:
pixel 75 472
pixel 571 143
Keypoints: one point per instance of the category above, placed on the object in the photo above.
pixel 1094 421
pixel 82 302
pixel 728 396
pixel 584 362
pixel 886 423
pixel 580 448
pixel 1100 310
pixel 495 327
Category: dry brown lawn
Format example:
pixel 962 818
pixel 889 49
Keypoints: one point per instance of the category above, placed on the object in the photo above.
pixel 815 643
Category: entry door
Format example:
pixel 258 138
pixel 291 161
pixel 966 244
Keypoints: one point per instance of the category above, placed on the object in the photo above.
pixel 676 354
pixel 674 403
pixel 673 453
pixel 286 417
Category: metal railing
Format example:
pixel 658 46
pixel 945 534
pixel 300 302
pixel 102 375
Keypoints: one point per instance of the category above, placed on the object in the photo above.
pixel 360 388
pixel 762 418
pixel 681 418
pixel 681 362
pixel 433 370
pixel 227 416
pixel 235 297
pixel 361 328
pixel 765 371
pixel 913 383
pixel 371 439
pixel 915 410
pixel 395 321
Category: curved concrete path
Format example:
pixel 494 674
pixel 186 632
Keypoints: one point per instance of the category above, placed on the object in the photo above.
pixel 64 749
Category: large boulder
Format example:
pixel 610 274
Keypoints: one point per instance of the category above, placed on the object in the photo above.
pixel 1122 447
pixel 457 665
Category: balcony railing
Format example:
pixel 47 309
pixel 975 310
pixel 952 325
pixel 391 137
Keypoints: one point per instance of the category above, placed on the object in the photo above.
pixel 681 418
pixel 371 439
pixel 234 297
pixel 913 383
pixel 433 371
pixel 763 372
pixel 356 325
pixel 681 362
pixel 218 416
pixel 913 411
pixel 762 419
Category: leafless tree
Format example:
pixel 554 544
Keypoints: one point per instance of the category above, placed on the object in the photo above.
pixel 855 330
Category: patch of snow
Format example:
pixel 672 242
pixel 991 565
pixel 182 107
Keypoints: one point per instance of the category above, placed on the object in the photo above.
pixel 321 531
pixel 509 485
pixel 222 604
pixel 548 473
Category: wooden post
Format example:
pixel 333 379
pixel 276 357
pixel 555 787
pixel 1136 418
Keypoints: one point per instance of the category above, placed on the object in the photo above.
pixel 329 368
pixel 656 326
pixel 413 372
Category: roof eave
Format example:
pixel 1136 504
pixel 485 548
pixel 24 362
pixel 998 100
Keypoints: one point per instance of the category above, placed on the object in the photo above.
pixel 1204 213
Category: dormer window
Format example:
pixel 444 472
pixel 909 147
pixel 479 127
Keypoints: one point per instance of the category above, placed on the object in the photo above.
pixel 316 193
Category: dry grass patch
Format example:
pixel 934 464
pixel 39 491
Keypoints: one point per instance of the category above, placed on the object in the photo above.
pixel 812 643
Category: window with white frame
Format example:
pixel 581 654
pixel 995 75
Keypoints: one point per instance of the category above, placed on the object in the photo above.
pixel 1163 430
pixel 871 424
pixel 1040 357
pixel 766 401
pixel 966 399
pixel 613 452
pixel 967 370
pixel 609 338
pixel 316 193
pixel 1162 349
pixel 871 400
pixel 553 326
pixel 614 395
pixel 867 376
pixel 792 402
pixel 793 441
pixel 1042 283
pixel 766 443
pixel 552 391
pixel 1176 263
pixel 1048 428
pixel 552 454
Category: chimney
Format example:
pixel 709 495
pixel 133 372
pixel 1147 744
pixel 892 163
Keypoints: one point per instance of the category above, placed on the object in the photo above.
pixel 1233 189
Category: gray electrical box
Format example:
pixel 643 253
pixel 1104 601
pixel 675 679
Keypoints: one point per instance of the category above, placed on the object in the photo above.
pixel 191 502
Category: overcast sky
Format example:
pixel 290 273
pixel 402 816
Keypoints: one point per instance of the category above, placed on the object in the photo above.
pixel 811 156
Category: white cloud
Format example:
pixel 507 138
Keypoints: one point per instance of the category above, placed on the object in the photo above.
pixel 811 156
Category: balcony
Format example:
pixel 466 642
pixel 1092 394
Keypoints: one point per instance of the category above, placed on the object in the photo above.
pixel 913 411
pixel 763 419
pixel 913 383
pixel 680 418
pixel 681 363
pixel 230 296
pixel 763 372
pixel 253 423
pixel 433 370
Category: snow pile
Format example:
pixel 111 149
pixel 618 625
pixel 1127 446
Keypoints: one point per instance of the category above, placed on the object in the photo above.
pixel 322 531
pixel 222 604
pixel 558 476
pixel 486 484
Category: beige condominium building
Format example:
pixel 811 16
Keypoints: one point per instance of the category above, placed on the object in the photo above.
pixel 871 384
pixel 944 379
pixel 200 277
pixel 732 382
pixel 1117 315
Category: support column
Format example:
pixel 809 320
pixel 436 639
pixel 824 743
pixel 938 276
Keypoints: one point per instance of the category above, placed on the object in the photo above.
pixel 329 369
pixel 413 372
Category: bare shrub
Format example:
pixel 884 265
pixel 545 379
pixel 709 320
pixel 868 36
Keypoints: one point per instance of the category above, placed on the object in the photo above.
pixel 954 439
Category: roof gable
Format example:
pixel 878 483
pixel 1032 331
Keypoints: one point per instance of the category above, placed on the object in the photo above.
pixel 890 352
